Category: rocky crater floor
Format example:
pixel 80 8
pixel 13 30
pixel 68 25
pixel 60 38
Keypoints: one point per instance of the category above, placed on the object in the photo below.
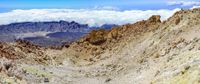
pixel 145 52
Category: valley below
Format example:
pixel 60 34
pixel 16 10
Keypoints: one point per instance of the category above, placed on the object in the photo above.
pixel 47 34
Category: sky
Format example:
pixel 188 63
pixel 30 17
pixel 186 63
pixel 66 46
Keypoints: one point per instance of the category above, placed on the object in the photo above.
pixel 77 4
pixel 7 5
pixel 91 12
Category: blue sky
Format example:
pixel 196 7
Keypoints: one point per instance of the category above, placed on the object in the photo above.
pixel 124 4
pixel 7 5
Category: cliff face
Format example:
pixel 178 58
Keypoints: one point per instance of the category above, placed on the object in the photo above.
pixel 146 52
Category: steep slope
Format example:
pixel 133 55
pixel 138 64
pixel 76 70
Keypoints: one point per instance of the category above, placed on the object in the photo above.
pixel 168 54
pixel 146 52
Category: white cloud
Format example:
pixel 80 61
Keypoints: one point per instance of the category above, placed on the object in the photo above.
pixel 31 34
pixel 84 16
pixel 184 3
pixel 195 7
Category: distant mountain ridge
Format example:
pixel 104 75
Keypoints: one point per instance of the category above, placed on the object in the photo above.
pixel 26 27
pixel 44 33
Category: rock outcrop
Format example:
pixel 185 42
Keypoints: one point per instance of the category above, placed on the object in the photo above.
pixel 98 41
pixel 9 52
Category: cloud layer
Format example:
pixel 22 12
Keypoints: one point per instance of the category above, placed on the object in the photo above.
pixel 84 16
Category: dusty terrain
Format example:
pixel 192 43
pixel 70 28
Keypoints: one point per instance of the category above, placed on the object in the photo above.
pixel 146 52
